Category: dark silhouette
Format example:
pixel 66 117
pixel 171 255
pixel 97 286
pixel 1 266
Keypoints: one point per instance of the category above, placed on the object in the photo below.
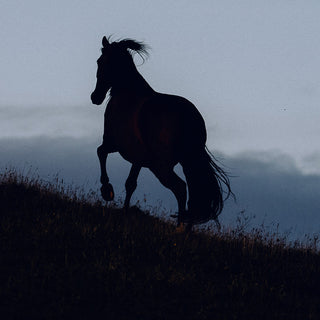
pixel 157 131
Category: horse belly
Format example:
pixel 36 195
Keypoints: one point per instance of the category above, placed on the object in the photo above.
pixel 135 155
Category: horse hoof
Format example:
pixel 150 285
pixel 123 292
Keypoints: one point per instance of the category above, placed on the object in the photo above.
pixel 182 217
pixel 107 192
pixel 183 228
pixel 185 217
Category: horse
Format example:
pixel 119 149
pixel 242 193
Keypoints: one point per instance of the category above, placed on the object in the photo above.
pixel 156 131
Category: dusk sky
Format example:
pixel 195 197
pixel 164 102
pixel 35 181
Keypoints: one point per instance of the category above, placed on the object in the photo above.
pixel 251 67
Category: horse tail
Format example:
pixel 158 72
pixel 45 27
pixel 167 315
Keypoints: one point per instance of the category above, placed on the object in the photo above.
pixel 207 184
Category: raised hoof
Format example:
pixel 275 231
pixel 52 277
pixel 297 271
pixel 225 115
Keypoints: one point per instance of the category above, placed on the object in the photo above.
pixel 107 192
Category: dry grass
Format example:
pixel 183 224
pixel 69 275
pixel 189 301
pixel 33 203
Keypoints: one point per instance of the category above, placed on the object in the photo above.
pixel 64 254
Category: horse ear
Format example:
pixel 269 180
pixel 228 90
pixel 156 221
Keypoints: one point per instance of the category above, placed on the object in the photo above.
pixel 105 42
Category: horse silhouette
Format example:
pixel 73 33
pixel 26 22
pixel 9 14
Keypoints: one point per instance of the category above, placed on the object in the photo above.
pixel 157 131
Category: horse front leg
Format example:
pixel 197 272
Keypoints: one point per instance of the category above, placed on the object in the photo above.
pixel 107 192
pixel 131 184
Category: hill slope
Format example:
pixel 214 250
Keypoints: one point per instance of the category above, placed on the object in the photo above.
pixel 62 256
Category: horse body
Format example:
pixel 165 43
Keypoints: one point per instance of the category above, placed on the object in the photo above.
pixel 157 131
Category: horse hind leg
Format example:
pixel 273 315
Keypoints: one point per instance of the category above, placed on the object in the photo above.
pixel 107 192
pixel 173 182
pixel 131 184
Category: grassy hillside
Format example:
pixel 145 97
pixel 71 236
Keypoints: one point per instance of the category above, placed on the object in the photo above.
pixel 63 256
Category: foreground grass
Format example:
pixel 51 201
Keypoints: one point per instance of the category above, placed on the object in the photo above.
pixel 62 256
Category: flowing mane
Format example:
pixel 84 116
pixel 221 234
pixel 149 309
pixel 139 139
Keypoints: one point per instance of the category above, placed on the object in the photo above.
pixel 130 45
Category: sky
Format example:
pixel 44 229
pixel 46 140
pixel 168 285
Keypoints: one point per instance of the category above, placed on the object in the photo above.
pixel 251 67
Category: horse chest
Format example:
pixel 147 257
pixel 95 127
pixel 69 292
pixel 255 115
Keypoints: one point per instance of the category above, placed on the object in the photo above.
pixel 121 127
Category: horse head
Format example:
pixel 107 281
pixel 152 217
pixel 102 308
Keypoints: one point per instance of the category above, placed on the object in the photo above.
pixel 114 65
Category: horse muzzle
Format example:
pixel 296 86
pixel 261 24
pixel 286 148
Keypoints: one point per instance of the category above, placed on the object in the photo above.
pixel 97 98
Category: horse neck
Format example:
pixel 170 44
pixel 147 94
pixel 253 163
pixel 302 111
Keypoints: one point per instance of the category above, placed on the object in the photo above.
pixel 133 83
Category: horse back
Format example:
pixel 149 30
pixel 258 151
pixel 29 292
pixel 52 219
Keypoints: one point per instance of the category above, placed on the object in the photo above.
pixel 170 125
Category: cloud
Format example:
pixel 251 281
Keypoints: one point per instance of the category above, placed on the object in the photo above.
pixel 268 186
pixel 54 121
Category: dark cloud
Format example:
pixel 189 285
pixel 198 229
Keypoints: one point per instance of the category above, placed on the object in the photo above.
pixel 268 185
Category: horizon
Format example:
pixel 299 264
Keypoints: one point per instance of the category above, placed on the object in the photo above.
pixel 272 192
